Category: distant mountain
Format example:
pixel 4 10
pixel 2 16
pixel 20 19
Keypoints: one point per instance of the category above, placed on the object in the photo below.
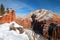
pixel 43 14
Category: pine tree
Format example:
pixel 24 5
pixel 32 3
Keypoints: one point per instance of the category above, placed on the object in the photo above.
pixel 7 10
pixel 2 9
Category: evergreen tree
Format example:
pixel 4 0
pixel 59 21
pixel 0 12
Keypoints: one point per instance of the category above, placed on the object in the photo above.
pixel 2 9
pixel 7 10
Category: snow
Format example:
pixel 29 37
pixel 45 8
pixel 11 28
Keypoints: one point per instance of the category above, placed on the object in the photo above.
pixel 30 34
pixel 49 16
pixel 15 24
pixel 43 14
pixel 12 35
pixel 4 27
pixel 5 34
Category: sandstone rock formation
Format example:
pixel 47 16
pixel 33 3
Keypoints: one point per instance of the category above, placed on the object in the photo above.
pixel 24 22
pixel 8 17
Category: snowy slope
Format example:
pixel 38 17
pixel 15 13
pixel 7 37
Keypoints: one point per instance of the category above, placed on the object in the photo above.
pixel 5 34
pixel 12 35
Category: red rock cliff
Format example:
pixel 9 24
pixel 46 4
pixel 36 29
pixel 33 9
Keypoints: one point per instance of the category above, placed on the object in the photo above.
pixel 24 22
pixel 8 17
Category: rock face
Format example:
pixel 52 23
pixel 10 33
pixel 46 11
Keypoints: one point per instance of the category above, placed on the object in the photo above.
pixel 46 22
pixel 8 17
pixel 24 22
pixel 43 14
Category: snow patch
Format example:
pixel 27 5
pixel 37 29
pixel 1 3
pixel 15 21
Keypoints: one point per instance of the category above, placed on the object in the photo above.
pixel 15 24
pixel 5 34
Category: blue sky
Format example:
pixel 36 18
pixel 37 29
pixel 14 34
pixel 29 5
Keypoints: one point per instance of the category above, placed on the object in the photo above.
pixel 24 7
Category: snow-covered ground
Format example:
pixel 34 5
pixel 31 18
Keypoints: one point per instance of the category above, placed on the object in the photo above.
pixel 5 34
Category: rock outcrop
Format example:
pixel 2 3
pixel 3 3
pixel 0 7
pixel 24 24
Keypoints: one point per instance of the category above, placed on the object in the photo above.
pixel 43 14
pixel 8 17
pixel 46 23
pixel 24 22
